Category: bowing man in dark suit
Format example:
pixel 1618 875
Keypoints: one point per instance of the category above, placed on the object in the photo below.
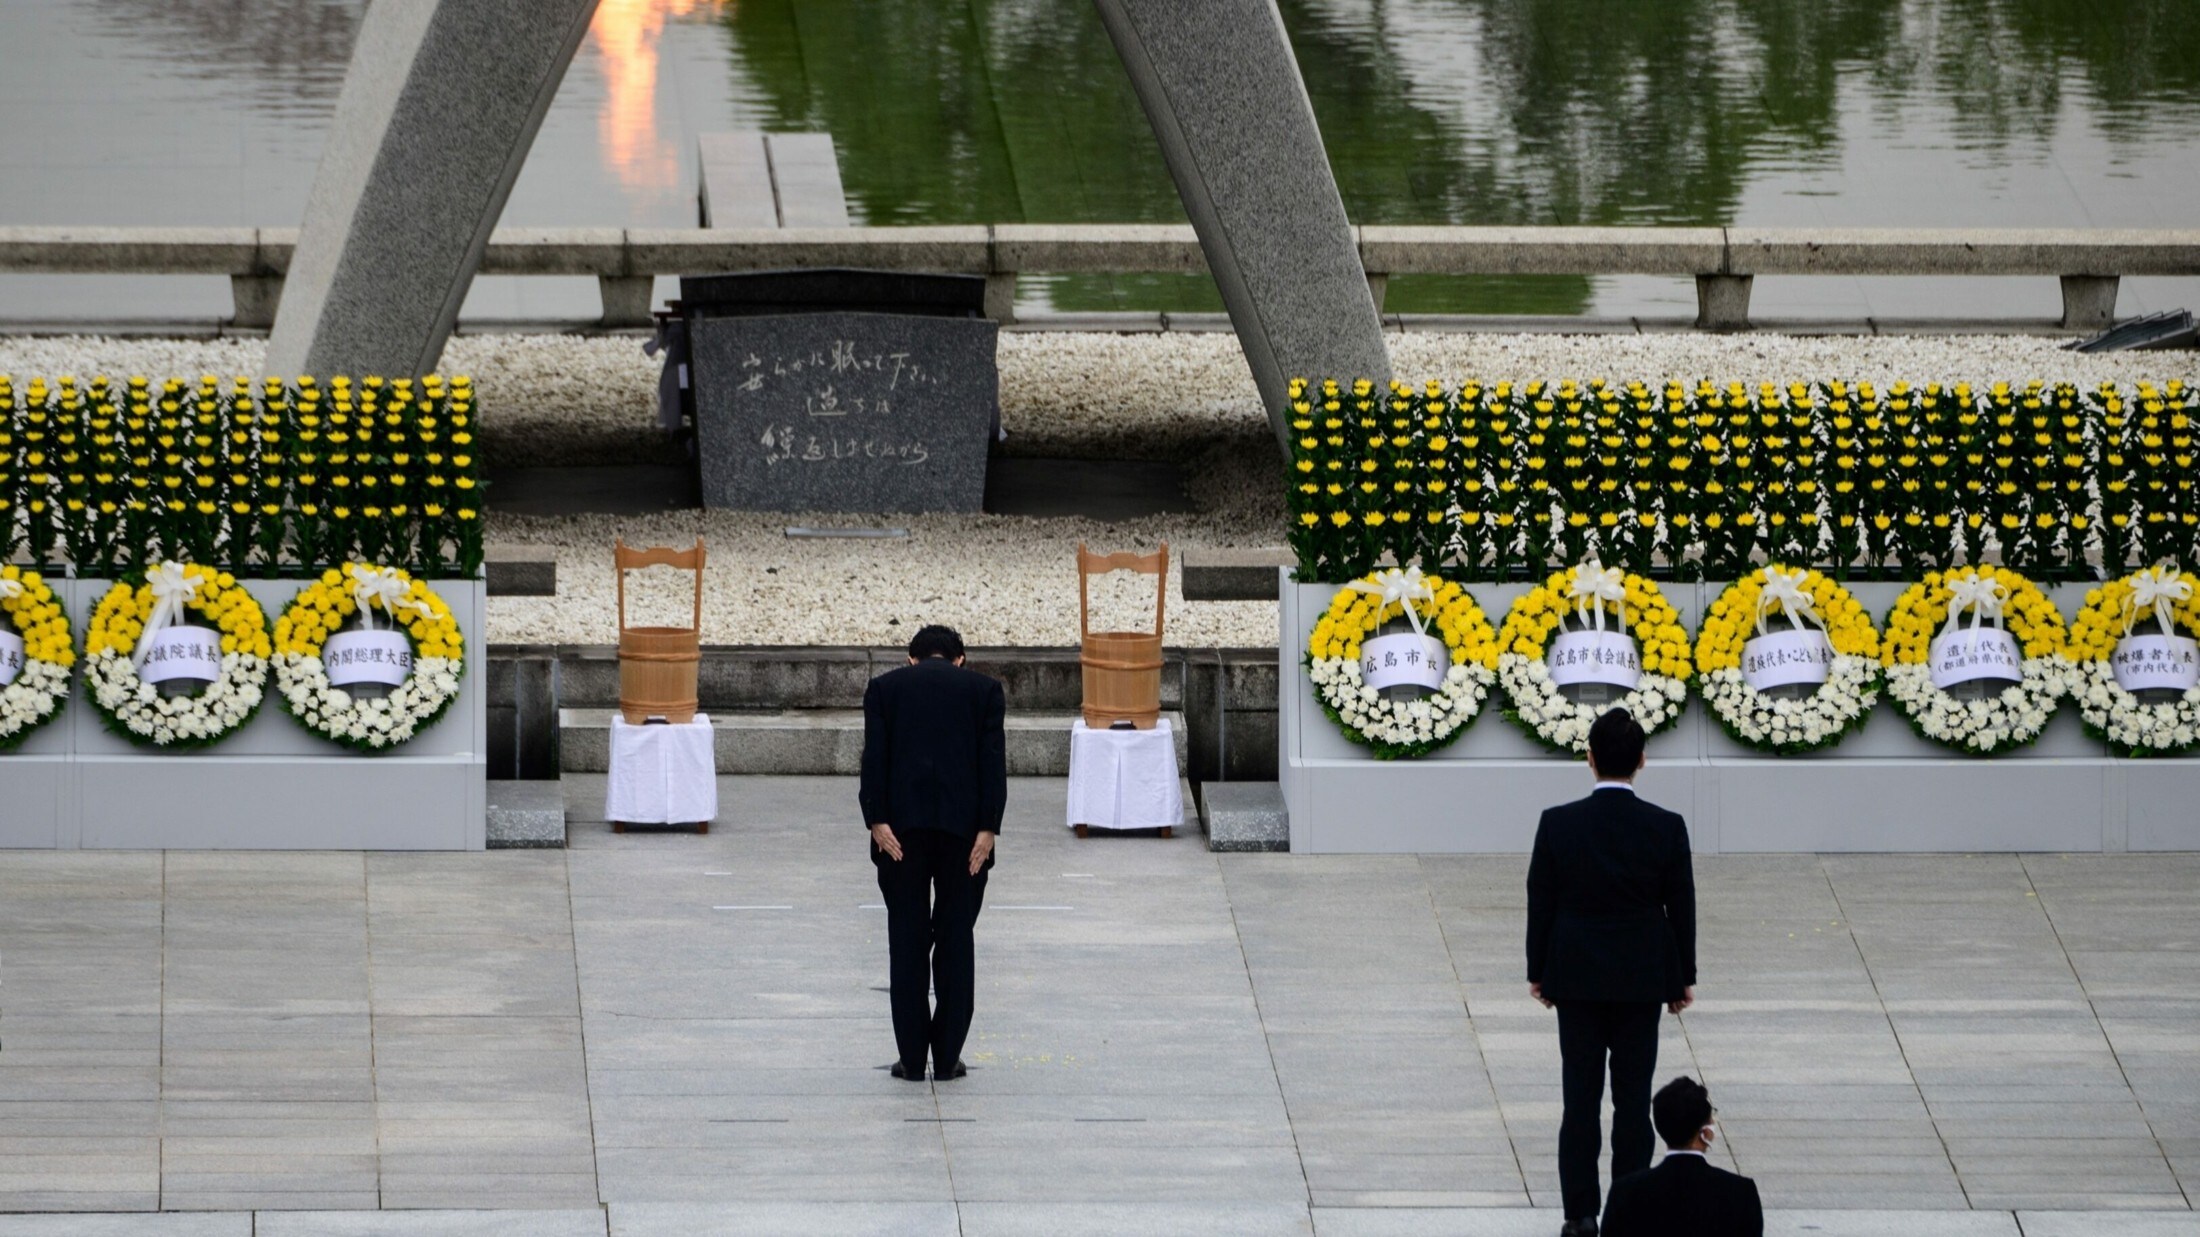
pixel 935 782
pixel 1611 941
pixel 1684 1196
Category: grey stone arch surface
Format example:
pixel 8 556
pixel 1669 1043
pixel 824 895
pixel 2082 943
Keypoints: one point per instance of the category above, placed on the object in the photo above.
pixel 1221 87
pixel 439 108
pixel 444 97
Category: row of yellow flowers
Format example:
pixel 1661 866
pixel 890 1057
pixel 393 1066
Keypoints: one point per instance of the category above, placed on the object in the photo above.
pixel 263 477
pixel 1708 480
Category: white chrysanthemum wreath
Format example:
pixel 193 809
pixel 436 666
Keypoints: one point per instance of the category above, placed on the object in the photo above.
pixel 1830 646
pixel 428 666
pixel 1595 594
pixel 126 631
pixel 1926 628
pixel 36 652
pixel 2109 656
pixel 1351 665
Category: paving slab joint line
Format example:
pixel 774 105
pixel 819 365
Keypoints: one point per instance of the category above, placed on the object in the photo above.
pixel 2107 1040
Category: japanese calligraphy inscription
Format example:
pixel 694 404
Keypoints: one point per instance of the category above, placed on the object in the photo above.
pixel 844 411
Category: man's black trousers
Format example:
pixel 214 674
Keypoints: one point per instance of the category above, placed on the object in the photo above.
pixel 1589 1034
pixel 932 904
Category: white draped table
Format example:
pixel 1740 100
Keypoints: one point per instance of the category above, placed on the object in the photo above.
pixel 662 775
pixel 1124 779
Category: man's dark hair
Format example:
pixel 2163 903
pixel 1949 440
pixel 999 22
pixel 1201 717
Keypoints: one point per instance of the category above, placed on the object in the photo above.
pixel 934 640
pixel 1615 742
pixel 1680 1109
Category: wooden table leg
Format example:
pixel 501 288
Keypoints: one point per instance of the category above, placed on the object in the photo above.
pixel 1168 831
pixel 618 826
pixel 1083 831
pixel 702 826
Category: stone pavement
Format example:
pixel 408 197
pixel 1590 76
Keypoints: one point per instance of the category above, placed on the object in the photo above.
pixel 655 1034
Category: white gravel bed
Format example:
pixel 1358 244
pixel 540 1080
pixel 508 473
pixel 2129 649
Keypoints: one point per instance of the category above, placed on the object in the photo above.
pixel 1006 580
pixel 562 399
pixel 998 580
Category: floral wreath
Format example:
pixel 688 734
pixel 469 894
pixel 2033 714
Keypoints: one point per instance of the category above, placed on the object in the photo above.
pixel 1994 597
pixel 2112 713
pixel 1591 591
pixel 1786 727
pixel 123 626
pixel 41 684
pixel 438 654
pixel 1401 729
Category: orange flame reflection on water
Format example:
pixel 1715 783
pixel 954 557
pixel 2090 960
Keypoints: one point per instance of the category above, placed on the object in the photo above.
pixel 625 33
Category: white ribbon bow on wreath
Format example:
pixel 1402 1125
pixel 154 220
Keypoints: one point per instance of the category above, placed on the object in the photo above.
pixel 1592 585
pixel 1982 596
pixel 1786 588
pixel 10 589
pixel 372 584
pixel 1399 588
pixel 172 591
pixel 2161 587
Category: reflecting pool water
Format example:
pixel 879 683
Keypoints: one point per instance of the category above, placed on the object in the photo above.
pixel 1841 112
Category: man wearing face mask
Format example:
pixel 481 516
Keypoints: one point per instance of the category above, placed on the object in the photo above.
pixel 1684 1194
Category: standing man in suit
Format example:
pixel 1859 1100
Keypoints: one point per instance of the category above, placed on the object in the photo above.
pixel 935 782
pixel 1684 1196
pixel 1611 939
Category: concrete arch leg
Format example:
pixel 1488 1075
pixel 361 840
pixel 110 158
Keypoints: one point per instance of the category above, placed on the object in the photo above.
pixel 1222 90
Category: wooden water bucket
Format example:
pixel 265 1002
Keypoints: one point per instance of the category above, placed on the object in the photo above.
pixel 657 665
pixel 1122 669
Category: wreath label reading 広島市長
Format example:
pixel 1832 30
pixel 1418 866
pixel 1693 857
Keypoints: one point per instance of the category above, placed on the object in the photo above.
pixel 1402 694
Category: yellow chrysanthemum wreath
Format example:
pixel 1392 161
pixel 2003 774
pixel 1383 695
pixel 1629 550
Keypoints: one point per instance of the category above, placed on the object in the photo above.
pixel 41 667
pixel 1401 729
pixel 2169 599
pixel 1627 602
pixel 1809 601
pixel 133 707
pixel 2017 714
pixel 369 725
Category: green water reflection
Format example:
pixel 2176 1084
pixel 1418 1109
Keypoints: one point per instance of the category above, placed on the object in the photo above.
pixel 1474 111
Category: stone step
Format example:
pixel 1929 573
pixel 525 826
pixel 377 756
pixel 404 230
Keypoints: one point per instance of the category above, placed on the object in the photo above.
pixel 1241 816
pixel 822 741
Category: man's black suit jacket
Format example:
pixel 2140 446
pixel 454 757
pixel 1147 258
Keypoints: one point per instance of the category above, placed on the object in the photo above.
pixel 1686 1197
pixel 1611 902
pixel 934 755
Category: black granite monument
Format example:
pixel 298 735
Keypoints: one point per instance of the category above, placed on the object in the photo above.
pixel 836 390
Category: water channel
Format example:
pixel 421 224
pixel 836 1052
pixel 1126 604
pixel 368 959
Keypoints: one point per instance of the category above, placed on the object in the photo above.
pixel 2078 113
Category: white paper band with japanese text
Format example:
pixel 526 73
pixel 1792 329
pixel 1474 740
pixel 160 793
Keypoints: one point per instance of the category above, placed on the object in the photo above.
pixel 1781 658
pixel 183 653
pixel 1969 653
pixel 1404 658
pixel 1595 657
pixel 367 657
pixel 2141 662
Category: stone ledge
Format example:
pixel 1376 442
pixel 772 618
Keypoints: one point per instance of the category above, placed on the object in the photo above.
pixel 1232 575
pixel 798 742
pixel 526 815
pixel 522 577
pixel 1245 816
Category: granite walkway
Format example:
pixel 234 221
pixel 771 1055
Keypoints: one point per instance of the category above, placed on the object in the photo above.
pixel 654 1034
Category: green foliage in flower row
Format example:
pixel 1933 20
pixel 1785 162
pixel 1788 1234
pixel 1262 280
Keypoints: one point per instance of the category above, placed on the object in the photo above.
pixel 268 479
pixel 1709 481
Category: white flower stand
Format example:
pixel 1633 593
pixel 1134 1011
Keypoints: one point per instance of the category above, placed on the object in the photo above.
pixel 272 785
pixel 1883 788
